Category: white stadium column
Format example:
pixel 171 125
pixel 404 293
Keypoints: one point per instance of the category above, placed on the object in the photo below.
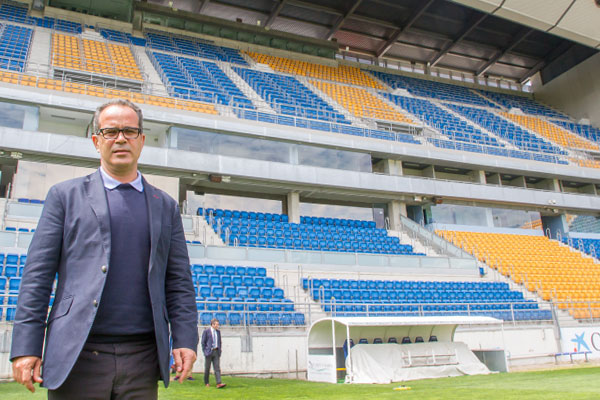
pixel 293 207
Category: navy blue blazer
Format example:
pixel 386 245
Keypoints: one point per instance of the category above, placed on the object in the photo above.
pixel 72 240
pixel 207 342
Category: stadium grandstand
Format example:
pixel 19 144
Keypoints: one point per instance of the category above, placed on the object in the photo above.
pixel 332 159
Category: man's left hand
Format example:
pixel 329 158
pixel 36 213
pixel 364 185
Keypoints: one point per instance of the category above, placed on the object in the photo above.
pixel 183 361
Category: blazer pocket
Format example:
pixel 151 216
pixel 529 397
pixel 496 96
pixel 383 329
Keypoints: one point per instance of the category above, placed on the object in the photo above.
pixel 61 309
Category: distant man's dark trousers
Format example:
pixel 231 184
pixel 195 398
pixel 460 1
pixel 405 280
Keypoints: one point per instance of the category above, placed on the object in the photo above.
pixel 213 358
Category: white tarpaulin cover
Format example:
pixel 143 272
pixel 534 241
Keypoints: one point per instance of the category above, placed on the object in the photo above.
pixel 386 363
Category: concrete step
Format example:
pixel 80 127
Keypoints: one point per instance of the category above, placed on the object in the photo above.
pixel 155 84
pixel 39 57
pixel 260 104
pixel 207 235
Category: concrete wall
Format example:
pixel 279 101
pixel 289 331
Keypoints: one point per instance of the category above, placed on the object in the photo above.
pixel 282 353
pixel 33 179
pixel 576 92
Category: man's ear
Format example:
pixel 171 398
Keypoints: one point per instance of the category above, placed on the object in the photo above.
pixel 95 141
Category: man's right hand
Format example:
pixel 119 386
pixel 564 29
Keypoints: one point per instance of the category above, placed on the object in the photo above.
pixel 27 371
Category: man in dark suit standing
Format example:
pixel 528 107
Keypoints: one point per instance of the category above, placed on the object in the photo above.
pixel 211 347
pixel 117 246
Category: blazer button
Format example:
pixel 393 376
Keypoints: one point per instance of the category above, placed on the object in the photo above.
pixel 95 303
pixel 104 269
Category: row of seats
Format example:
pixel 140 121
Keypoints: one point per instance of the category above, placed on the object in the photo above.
pixel 232 291
pixel 15 42
pixel 391 339
pixel 341 73
pixel 76 53
pixel 199 269
pixel 432 89
pixel 417 296
pixel 496 151
pixel 251 215
pixel 287 96
pixel 361 103
pixel 325 126
pixel 443 121
pixel 193 47
pixel 193 79
pixel 12 259
pixel 526 104
pixel 253 318
pixel 506 130
pixel 303 232
pixel 584 223
pixel 9 284
pixel 91 90
pixel 231 288
pixel 121 37
pixel 29 201
pixel 18 13
pixel 542 265
pixel 506 315
pixel 552 132
pixel 362 297
pixel 15 229
pixel 589 246
pixel 249 232
pixel 403 285
pixel 587 131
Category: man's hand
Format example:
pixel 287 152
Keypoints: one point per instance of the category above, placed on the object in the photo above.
pixel 27 371
pixel 183 361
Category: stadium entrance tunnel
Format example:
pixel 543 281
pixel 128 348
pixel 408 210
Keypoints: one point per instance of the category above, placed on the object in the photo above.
pixel 392 349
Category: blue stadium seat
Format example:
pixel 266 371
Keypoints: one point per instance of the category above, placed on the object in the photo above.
pixel 206 317
pixel 234 318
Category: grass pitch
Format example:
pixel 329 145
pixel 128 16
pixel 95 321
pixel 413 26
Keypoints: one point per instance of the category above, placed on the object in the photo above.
pixel 569 384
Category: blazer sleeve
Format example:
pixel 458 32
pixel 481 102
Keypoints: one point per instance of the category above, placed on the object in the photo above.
pixel 204 341
pixel 43 258
pixel 179 289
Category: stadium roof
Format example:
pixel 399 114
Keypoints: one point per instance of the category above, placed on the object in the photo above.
pixel 501 38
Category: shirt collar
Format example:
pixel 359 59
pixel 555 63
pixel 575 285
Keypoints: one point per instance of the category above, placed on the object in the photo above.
pixel 111 183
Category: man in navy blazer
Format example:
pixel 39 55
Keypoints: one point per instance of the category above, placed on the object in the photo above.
pixel 117 247
pixel 212 347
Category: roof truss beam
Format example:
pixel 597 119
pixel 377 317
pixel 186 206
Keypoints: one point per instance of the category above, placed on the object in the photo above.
pixel 341 20
pixel 475 20
pixel 200 6
pixel 562 48
pixel 501 53
pixel 314 7
pixel 275 13
pixel 411 20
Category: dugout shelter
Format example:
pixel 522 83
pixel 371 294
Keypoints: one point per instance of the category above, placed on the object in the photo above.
pixel 391 349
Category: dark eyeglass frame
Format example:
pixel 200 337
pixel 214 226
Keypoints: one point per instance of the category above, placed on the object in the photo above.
pixel 111 133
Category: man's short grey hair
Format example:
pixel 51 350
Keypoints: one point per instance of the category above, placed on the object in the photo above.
pixel 115 102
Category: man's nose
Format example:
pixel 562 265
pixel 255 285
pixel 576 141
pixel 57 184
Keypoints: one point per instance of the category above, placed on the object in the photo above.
pixel 120 137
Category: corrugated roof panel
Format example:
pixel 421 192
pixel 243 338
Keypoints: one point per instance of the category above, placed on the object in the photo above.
pixel 583 19
pixel 542 11
pixel 300 28
pixel 483 5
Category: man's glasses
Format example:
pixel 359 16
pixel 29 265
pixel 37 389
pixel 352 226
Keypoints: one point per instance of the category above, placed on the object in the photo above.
pixel 113 133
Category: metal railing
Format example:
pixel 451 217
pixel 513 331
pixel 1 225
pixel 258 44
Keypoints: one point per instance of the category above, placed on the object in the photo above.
pixel 285 313
pixel 430 239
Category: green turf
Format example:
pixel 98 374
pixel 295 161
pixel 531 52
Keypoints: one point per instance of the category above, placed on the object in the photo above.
pixel 571 384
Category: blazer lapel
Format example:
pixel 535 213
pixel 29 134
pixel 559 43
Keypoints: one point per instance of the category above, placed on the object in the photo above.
pixel 154 202
pixel 97 198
